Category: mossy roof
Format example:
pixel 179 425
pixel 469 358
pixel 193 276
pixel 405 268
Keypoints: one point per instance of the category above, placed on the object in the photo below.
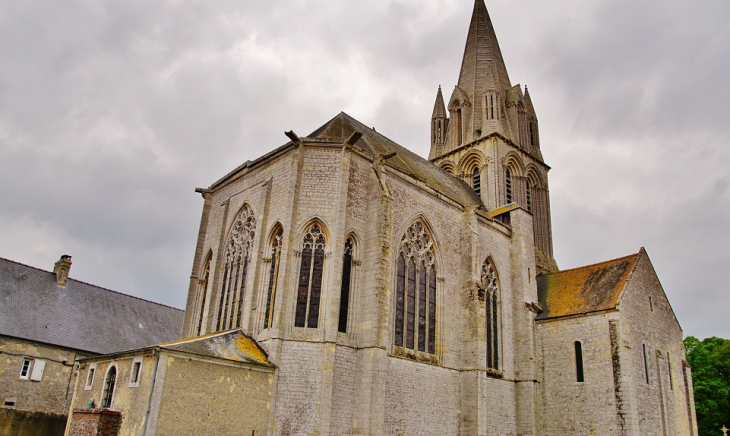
pixel 228 345
pixel 586 289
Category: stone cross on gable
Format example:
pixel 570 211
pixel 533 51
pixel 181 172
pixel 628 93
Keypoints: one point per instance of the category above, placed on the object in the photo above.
pixel 724 430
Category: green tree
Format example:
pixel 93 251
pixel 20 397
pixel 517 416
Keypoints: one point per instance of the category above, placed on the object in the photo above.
pixel 710 363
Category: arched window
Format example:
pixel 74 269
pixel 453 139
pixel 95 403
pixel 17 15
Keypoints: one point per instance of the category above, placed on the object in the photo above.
pixel 310 278
pixel 202 295
pixel 275 247
pixel 459 126
pixel 579 362
pixel 346 282
pixel 476 181
pixel 415 303
pixel 490 284
pixel 109 384
pixel 236 258
pixel 508 184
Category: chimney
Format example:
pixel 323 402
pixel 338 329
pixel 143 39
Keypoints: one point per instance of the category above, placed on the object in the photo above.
pixel 61 269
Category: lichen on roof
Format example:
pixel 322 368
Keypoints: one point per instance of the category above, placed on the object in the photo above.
pixel 583 290
pixel 230 345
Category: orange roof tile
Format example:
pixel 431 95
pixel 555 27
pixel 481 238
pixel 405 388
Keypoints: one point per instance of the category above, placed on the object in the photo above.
pixel 583 290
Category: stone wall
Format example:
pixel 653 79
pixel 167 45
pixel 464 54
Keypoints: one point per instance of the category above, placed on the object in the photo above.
pixel 25 423
pixel 53 392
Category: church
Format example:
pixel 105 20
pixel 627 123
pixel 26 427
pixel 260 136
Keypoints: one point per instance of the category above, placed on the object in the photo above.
pixel 389 294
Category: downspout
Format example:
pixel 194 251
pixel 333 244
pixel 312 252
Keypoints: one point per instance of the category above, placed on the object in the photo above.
pixel 68 386
pixel 152 387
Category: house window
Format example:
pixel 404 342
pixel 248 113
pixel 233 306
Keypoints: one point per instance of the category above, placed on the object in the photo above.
pixel 415 304
pixel 136 372
pixel 310 278
pixel 346 282
pixel 273 275
pixel 579 362
pixel 25 369
pixel 202 295
pixel 508 185
pixel 109 384
pixel 490 284
pixel 476 180
pixel 236 258
pixel 90 377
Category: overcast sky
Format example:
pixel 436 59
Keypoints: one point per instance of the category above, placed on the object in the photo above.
pixel 113 111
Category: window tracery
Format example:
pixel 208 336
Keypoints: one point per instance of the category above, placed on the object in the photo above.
pixel 273 276
pixel 490 284
pixel 415 305
pixel 310 278
pixel 236 258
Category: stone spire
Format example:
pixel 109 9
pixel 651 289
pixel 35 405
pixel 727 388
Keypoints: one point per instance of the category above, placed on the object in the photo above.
pixel 482 67
pixel 439 123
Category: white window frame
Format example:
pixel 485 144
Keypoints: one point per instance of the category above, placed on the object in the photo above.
pixel 90 376
pixel 132 382
pixel 26 370
pixel 114 387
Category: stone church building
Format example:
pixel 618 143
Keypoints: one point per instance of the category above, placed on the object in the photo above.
pixel 397 295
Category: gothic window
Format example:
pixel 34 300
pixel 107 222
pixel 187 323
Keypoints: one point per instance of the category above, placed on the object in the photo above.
pixel 236 258
pixel 415 303
pixel 458 126
pixel 492 111
pixel 476 180
pixel 109 385
pixel 202 295
pixel 310 278
pixel 273 276
pixel 490 284
pixel 346 282
pixel 508 185
pixel 579 362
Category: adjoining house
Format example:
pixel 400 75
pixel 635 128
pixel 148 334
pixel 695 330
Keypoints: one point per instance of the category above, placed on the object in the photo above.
pixel 217 384
pixel 48 320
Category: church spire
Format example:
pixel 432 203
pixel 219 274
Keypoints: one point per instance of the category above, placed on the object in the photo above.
pixel 482 67
pixel 439 122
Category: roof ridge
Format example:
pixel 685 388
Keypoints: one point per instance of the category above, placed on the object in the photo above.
pixel 93 285
pixel 592 264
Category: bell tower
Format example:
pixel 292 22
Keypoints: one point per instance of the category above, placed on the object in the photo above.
pixel 490 134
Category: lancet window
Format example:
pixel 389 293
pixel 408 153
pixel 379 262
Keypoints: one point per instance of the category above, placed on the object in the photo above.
pixel 508 184
pixel 202 295
pixel 236 257
pixel 346 283
pixel 579 362
pixel 476 180
pixel 490 284
pixel 275 248
pixel 310 278
pixel 415 303
pixel 528 194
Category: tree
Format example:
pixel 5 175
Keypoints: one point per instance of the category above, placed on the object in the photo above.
pixel 710 363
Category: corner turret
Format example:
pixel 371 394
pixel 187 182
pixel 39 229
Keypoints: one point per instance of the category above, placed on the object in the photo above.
pixel 439 123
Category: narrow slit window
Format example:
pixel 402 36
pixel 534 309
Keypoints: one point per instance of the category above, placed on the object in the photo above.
pixel 508 185
pixel 310 278
pixel 273 275
pixel 579 362
pixel 646 363
pixel 458 126
pixel 528 195
pixel 415 300
pixel 669 369
pixel 345 288
pixel 476 180
pixel 202 295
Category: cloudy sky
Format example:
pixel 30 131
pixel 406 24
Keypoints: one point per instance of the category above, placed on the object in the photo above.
pixel 113 111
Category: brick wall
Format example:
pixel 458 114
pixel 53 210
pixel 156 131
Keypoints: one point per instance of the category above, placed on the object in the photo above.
pixel 95 422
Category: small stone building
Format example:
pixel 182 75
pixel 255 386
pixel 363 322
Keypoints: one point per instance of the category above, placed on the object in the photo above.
pixel 48 320
pixel 218 384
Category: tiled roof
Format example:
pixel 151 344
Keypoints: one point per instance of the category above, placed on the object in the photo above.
pixel 586 289
pixel 230 345
pixel 373 143
pixel 79 316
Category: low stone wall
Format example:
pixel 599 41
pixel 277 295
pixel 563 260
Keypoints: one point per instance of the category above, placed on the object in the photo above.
pixel 95 422
pixel 23 423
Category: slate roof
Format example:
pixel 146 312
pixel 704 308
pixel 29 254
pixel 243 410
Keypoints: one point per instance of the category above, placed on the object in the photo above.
pixel 339 128
pixel 229 345
pixel 80 316
pixel 586 289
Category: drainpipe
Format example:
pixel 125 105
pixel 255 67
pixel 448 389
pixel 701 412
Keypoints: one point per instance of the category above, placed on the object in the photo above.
pixel 68 386
pixel 152 387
